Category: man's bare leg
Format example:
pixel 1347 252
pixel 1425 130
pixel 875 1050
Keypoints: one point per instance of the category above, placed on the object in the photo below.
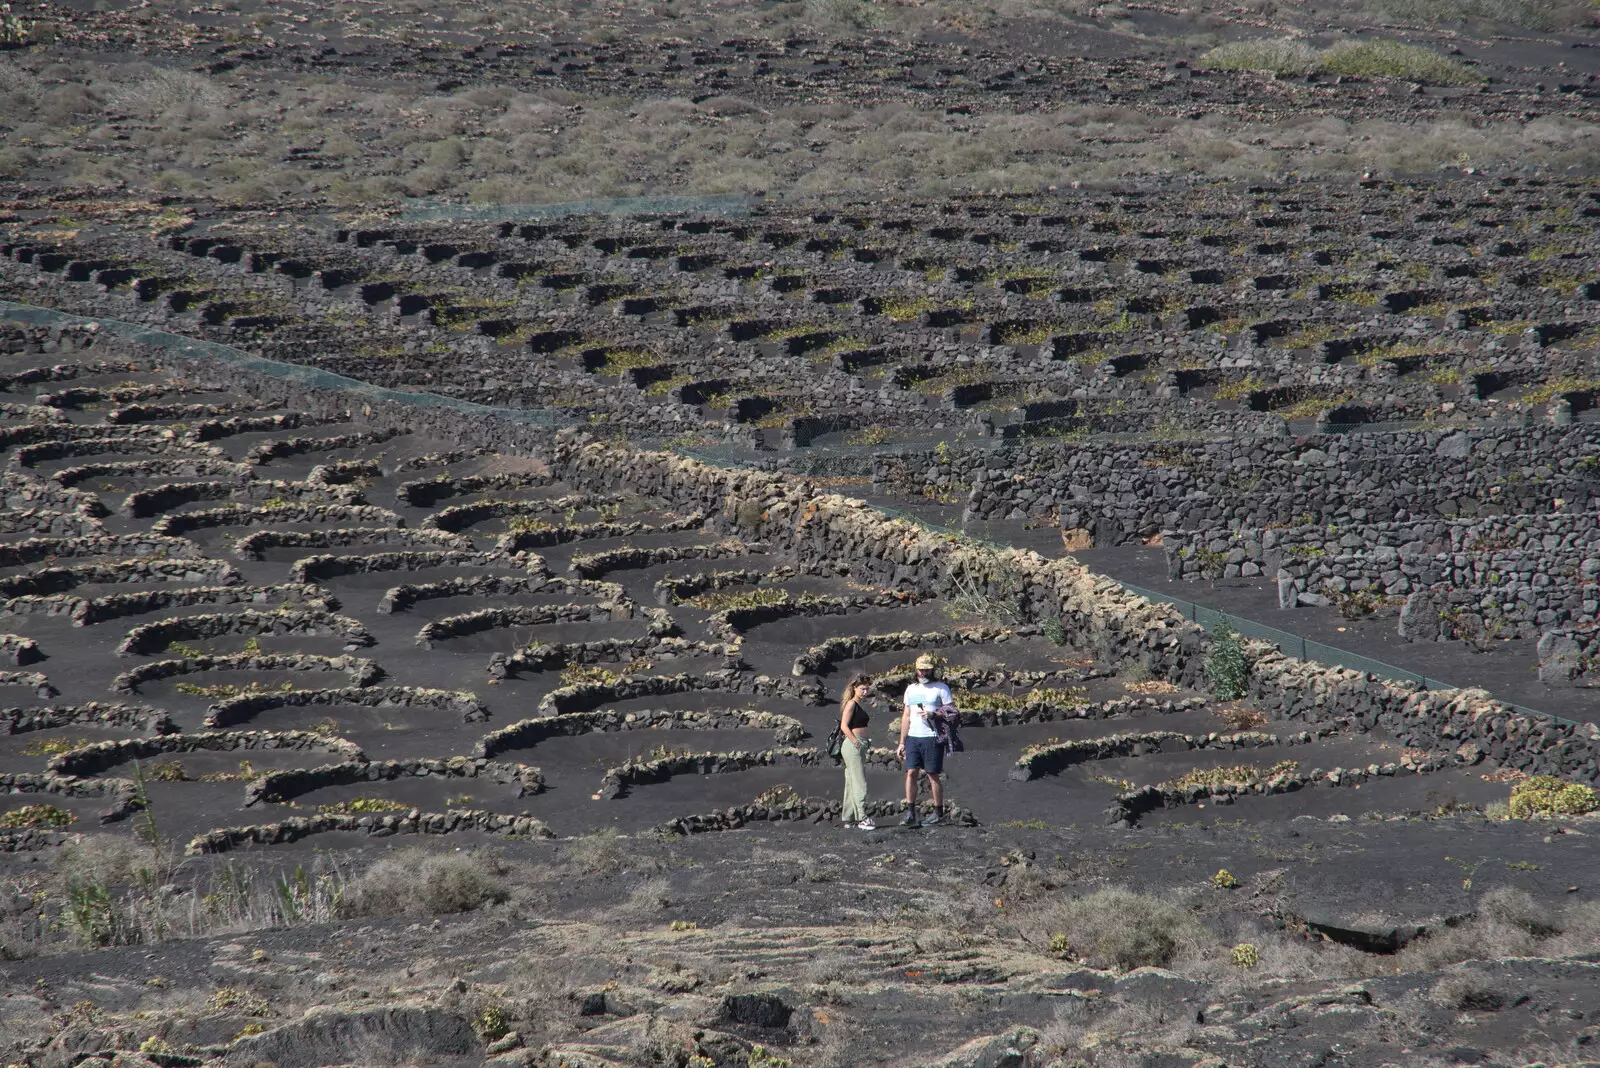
pixel 936 786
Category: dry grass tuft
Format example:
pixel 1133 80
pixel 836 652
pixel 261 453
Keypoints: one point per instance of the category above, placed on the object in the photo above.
pixel 417 882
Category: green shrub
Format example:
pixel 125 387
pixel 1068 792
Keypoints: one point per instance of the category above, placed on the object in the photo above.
pixel 1391 59
pixel 1279 57
pixel 37 816
pixel 1366 59
pixel 1227 669
pixel 1054 630
pixel 1546 795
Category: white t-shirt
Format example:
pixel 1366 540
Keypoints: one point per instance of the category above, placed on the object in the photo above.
pixel 928 696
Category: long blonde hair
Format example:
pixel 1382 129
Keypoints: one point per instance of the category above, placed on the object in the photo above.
pixel 856 682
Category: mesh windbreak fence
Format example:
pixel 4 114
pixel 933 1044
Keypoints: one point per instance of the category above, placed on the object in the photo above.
pixel 724 204
pixel 299 374
pixel 1303 648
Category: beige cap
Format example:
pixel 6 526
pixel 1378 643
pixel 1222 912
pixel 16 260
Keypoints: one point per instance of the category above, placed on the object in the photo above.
pixel 925 662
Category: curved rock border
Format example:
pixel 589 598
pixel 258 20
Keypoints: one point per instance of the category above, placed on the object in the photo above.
pixel 325 566
pixel 95 758
pixel 45 522
pixel 817 810
pixel 458 517
pixel 730 624
pixel 266 451
pixel 89 611
pixel 18 650
pixel 33 550
pixel 55 580
pixel 542 657
pixel 659 623
pixel 184 467
pixel 123 444
pixel 401 597
pixel 427 492
pixel 142 504
pixel 235 710
pixel 361 672
pixel 1128 807
pixel 821 658
pixel 519 540
pixel 1039 761
pixel 530 732
pixel 37 679
pixel 586 697
pixel 157 636
pixel 677 589
pixel 125 717
pixel 415 822
pixel 278 786
pixel 253 546
pixel 618 781
pixel 593 565
pixel 124 793
pixel 180 523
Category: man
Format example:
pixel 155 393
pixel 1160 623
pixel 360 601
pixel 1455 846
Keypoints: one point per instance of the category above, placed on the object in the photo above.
pixel 927 700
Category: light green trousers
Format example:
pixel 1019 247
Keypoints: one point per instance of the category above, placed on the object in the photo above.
pixel 855 783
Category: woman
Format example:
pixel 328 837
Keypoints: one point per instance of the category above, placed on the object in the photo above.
pixel 853 720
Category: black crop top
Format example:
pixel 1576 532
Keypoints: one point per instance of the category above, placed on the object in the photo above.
pixel 858 716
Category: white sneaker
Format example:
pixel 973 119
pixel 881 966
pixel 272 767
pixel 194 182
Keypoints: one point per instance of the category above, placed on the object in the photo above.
pixel 866 825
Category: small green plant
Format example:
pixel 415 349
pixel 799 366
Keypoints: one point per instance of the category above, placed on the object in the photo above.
pixel 1227 668
pixel 760 1058
pixel 223 690
pixel 231 999
pixel 871 435
pixel 1225 880
pixel 1245 955
pixel 1059 945
pixel 155 1045
pixel 1543 796
pixel 1234 775
pixel 52 747
pixel 722 602
pixel 37 816
pixel 684 925
pixel 586 674
pixel 1054 631
pixel 363 805
pixel 492 1023
pixel 167 771
pixel 188 652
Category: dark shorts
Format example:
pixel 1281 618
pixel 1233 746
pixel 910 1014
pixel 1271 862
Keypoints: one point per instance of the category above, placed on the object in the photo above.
pixel 925 753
